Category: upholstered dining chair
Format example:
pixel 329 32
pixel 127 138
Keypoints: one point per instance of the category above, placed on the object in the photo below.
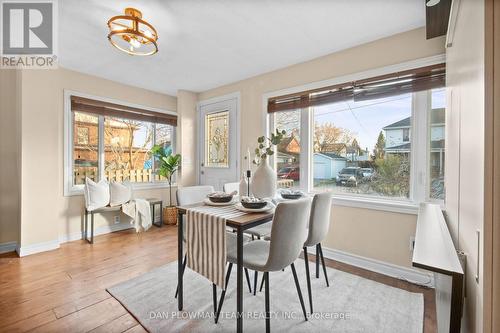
pixel 319 223
pixel 287 239
pixel 196 194
pixel 231 187
pixel 257 232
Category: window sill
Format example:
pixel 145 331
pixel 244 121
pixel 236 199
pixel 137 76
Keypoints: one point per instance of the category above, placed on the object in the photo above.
pixel 78 190
pixel 404 207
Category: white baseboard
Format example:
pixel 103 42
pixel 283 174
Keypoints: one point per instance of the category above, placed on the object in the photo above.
pixel 38 247
pixel 8 247
pixel 399 272
pixel 52 245
pixel 105 229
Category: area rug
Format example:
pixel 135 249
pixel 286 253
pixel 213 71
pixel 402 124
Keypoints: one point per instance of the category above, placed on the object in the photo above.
pixel 350 304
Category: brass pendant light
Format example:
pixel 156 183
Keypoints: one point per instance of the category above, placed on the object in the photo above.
pixel 131 34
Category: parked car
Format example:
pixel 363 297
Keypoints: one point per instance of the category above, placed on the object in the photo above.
pixel 349 176
pixel 289 172
pixel 367 173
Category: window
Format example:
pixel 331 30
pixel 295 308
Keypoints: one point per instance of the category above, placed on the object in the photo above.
pixel 288 151
pixel 370 139
pixel 436 142
pixel 85 147
pixel 113 145
pixel 406 134
pixel 360 147
pixel 126 150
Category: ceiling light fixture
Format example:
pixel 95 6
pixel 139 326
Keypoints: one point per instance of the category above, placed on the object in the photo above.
pixel 431 3
pixel 131 34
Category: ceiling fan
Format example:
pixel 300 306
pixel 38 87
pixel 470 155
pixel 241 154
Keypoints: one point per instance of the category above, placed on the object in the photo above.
pixel 431 3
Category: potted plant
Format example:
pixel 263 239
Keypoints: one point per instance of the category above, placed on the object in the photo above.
pixel 264 179
pixel 168 164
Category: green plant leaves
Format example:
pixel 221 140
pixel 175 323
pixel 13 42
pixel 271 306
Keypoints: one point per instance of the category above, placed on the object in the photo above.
pixel 264 149
pixel 168 163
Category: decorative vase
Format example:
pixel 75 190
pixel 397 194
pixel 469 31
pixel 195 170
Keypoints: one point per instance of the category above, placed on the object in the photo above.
pixel 264 181
pixel 170 215
pixel 243 188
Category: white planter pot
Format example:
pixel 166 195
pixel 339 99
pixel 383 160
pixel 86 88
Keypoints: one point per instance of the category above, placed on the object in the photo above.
pixel 264 181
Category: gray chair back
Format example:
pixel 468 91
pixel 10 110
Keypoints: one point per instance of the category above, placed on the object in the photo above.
pixel 193 194
pixel 287 233
pixel 230 187
pixel 319 220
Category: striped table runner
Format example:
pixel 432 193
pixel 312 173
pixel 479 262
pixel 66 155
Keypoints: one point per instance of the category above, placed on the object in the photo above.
pixel 206 240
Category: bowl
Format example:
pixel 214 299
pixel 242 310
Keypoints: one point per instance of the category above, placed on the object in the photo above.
pixel 220 198
pixel 254 204
pixel 291 196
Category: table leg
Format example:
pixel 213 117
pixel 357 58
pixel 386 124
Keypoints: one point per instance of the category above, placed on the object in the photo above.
pixel 239 283
pixel 179 262
pixel 457 285
pixel 161 214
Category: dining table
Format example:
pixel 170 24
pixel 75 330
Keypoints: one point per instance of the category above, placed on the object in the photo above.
pixel 239 224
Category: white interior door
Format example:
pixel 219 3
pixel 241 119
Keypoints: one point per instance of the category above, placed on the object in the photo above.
pixel 218 144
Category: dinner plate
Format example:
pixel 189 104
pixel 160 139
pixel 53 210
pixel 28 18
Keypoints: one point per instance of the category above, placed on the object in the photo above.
pixel 210 203
pixel 264 209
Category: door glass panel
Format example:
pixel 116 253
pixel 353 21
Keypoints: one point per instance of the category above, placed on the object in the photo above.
pixel 216 140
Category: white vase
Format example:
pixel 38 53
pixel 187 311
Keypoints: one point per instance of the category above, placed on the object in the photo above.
pixel 264 181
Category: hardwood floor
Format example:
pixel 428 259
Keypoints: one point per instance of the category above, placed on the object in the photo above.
pixel 65 290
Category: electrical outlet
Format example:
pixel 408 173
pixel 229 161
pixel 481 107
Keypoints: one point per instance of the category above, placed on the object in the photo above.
pixel 116 219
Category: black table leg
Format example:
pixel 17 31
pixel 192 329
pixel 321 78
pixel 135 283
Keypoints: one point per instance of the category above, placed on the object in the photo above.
pixel 179 262
pixel 239 283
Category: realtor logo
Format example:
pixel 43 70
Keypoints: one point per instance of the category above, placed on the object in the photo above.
pixel 28 29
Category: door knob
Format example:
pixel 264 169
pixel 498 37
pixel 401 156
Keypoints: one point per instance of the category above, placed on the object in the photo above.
pixel 202 172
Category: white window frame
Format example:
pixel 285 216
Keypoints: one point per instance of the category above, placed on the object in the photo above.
pixel 69 188
pixel 421 102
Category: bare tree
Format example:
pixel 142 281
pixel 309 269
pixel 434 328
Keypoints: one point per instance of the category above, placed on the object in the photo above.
pixel 125 156
pixel 326 134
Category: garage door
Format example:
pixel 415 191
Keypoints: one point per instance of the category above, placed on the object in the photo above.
pixel 320 171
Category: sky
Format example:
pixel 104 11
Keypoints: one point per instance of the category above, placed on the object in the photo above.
pixel 366 119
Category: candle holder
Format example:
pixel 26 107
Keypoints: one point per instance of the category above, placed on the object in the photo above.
pixel 249 174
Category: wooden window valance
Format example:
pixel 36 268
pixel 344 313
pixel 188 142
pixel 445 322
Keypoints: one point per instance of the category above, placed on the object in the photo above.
pixel 418 79
pixel 87 105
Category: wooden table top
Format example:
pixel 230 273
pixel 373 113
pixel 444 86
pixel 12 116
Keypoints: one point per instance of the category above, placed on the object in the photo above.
pixel 238 221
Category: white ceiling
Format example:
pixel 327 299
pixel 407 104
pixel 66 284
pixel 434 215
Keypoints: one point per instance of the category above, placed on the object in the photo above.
pixel 204 44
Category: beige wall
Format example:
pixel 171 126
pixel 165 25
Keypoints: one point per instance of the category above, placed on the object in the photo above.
pixel 358 231
pixel 9 156
pixel 465 148
pixel 187 138
pixel 46 214
pixel 374 234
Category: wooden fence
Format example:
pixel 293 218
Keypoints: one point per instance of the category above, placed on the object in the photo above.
pixel 134 176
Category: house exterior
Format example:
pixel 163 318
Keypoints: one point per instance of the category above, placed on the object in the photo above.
pixel 398 139
pixel 328 165
pixel 288 151
pixel 349 152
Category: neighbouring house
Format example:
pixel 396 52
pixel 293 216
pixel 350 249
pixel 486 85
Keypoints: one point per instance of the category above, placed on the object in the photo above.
pixel 337 148
pixel 288 151
pixel 328 165
pixel 398 139
pixel 350 152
